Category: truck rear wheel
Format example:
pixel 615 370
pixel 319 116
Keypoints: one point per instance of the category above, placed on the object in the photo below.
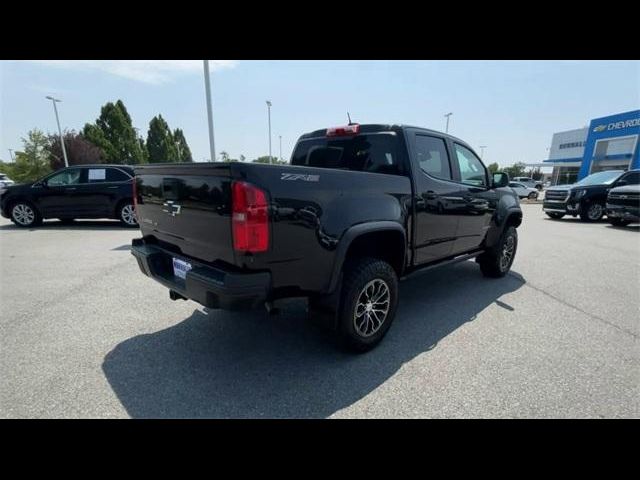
pixel 368 303
pixel 497 262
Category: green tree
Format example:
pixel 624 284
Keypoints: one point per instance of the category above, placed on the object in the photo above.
pixel 80 151
pixel 535 173
pixel 225 157
pixel 515 170
pixel 160 142
pixel 493 167
pixel 184 152
pixel 32 162
pixel 114 134
pixel 145 152
pixel 267 159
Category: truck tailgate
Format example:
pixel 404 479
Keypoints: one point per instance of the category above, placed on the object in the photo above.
pixel 187 207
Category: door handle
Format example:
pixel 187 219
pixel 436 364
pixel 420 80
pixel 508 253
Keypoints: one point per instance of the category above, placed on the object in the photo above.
pixel 112 188
pixel 70 189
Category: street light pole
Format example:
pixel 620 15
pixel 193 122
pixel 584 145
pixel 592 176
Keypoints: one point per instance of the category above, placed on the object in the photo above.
pixel 280 147
pixel 482 147
pixel 269 115
pixel 207 88
pixel 55 109
pixel 448 115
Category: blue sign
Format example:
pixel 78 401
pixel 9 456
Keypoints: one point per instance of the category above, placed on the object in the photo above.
pixel 615 126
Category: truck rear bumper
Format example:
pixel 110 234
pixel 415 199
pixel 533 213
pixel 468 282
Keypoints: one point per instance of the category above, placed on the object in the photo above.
pixel 209 286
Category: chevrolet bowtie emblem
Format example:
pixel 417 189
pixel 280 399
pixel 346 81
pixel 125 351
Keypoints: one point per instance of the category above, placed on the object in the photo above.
pixel 171 208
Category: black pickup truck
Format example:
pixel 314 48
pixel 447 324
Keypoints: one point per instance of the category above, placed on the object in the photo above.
pixel 359 207
pixel 587 197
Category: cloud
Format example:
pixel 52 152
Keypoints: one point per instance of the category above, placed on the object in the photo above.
pixel 155 72
pixel 47 89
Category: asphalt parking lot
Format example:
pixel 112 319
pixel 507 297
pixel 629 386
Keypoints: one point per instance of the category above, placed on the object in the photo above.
pixel 84 334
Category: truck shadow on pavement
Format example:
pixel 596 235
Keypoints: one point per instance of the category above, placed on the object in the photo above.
pixel 221 364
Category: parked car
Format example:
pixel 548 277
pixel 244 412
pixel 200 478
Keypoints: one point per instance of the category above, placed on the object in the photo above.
pixel 359 207
pixel 87 191
pixel 529 182
pixel 587 197
pixel 5 181
pixel 523 191
pixel 623 204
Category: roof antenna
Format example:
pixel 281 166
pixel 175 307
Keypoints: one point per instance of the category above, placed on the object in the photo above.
pixel 349 117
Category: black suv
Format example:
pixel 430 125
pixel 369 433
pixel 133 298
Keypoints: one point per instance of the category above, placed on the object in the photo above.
pixel 587 197
pixel 623 203
pixel 87 191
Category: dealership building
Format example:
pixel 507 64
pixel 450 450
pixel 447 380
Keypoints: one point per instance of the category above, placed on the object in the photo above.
pixel 608 143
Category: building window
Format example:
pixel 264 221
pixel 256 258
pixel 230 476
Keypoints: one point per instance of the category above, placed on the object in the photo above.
pixel 562 146
pixel 564 175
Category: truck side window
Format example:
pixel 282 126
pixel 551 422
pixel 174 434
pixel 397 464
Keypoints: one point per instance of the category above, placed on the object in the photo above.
pixel 432 156
pixel 472 170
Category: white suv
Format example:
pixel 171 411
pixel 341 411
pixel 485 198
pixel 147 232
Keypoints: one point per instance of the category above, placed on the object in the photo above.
pixel 529 182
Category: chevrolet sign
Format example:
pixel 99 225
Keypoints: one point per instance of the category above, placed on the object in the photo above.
pixel 618 125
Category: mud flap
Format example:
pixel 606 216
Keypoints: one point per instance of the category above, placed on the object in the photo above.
pixel 323 310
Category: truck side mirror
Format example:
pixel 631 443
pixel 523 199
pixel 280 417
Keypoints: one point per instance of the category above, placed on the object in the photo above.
pixel 620 183
pixel 500 179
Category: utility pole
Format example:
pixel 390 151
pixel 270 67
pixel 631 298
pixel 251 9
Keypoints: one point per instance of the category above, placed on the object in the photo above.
pixel 482 147
pixel 55 109
pixel 448 115
pixel 207 87
pixel 280 147
pixel 269 115
pixel 11 153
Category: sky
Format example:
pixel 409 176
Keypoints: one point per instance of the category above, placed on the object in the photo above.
pixel 511 107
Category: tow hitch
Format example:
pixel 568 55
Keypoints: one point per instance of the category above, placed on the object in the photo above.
pixel 173 295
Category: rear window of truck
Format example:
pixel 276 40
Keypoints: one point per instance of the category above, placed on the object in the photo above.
pixel 376 153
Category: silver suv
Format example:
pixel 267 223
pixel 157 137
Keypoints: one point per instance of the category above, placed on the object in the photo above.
pixel 529 182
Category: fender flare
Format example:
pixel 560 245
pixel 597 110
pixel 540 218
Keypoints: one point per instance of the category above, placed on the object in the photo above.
pixel 354 232
pixel 501 221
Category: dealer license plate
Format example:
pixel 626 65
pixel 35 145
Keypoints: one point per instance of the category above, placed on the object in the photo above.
pixel 180 268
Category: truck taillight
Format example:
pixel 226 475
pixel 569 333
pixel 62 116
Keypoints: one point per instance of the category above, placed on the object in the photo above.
pixel 250 218
pixel 343 131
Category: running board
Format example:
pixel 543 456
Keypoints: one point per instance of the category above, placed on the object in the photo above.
pixel 459 258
